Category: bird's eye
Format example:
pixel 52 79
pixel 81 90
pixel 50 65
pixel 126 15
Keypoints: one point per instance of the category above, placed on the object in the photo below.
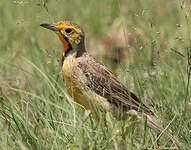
pixel 68 30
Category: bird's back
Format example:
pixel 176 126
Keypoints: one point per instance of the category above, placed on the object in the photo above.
pixel 87 73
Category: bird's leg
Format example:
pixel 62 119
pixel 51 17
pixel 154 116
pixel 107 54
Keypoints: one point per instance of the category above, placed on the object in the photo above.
pixel 86 114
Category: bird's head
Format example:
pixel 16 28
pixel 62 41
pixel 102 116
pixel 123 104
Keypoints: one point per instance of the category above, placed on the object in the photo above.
pixel 70 34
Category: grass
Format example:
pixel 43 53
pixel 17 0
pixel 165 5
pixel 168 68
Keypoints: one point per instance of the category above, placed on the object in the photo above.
pixel 35 110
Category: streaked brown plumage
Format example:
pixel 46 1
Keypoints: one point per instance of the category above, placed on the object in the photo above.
pixel 91 83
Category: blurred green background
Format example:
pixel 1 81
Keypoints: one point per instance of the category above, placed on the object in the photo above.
pixel 146 44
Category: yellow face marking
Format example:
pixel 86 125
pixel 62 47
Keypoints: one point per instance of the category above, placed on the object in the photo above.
pixel 63 27
pixel 65 43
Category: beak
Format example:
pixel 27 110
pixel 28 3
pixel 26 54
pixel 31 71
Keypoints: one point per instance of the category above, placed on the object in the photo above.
pixel 50 26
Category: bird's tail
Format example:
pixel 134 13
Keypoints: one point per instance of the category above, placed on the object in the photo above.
pixel 151 124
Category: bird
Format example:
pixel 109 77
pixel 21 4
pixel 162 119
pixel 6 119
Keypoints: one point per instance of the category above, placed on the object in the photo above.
pixel 91 84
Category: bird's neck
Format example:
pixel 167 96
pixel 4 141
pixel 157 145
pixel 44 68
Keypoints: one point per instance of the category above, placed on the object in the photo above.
pixel 73 51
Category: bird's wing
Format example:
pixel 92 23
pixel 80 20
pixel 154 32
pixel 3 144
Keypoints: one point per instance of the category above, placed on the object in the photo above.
pixel 104 83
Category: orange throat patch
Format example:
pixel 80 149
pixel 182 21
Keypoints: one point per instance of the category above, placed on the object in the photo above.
pixel 65 44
